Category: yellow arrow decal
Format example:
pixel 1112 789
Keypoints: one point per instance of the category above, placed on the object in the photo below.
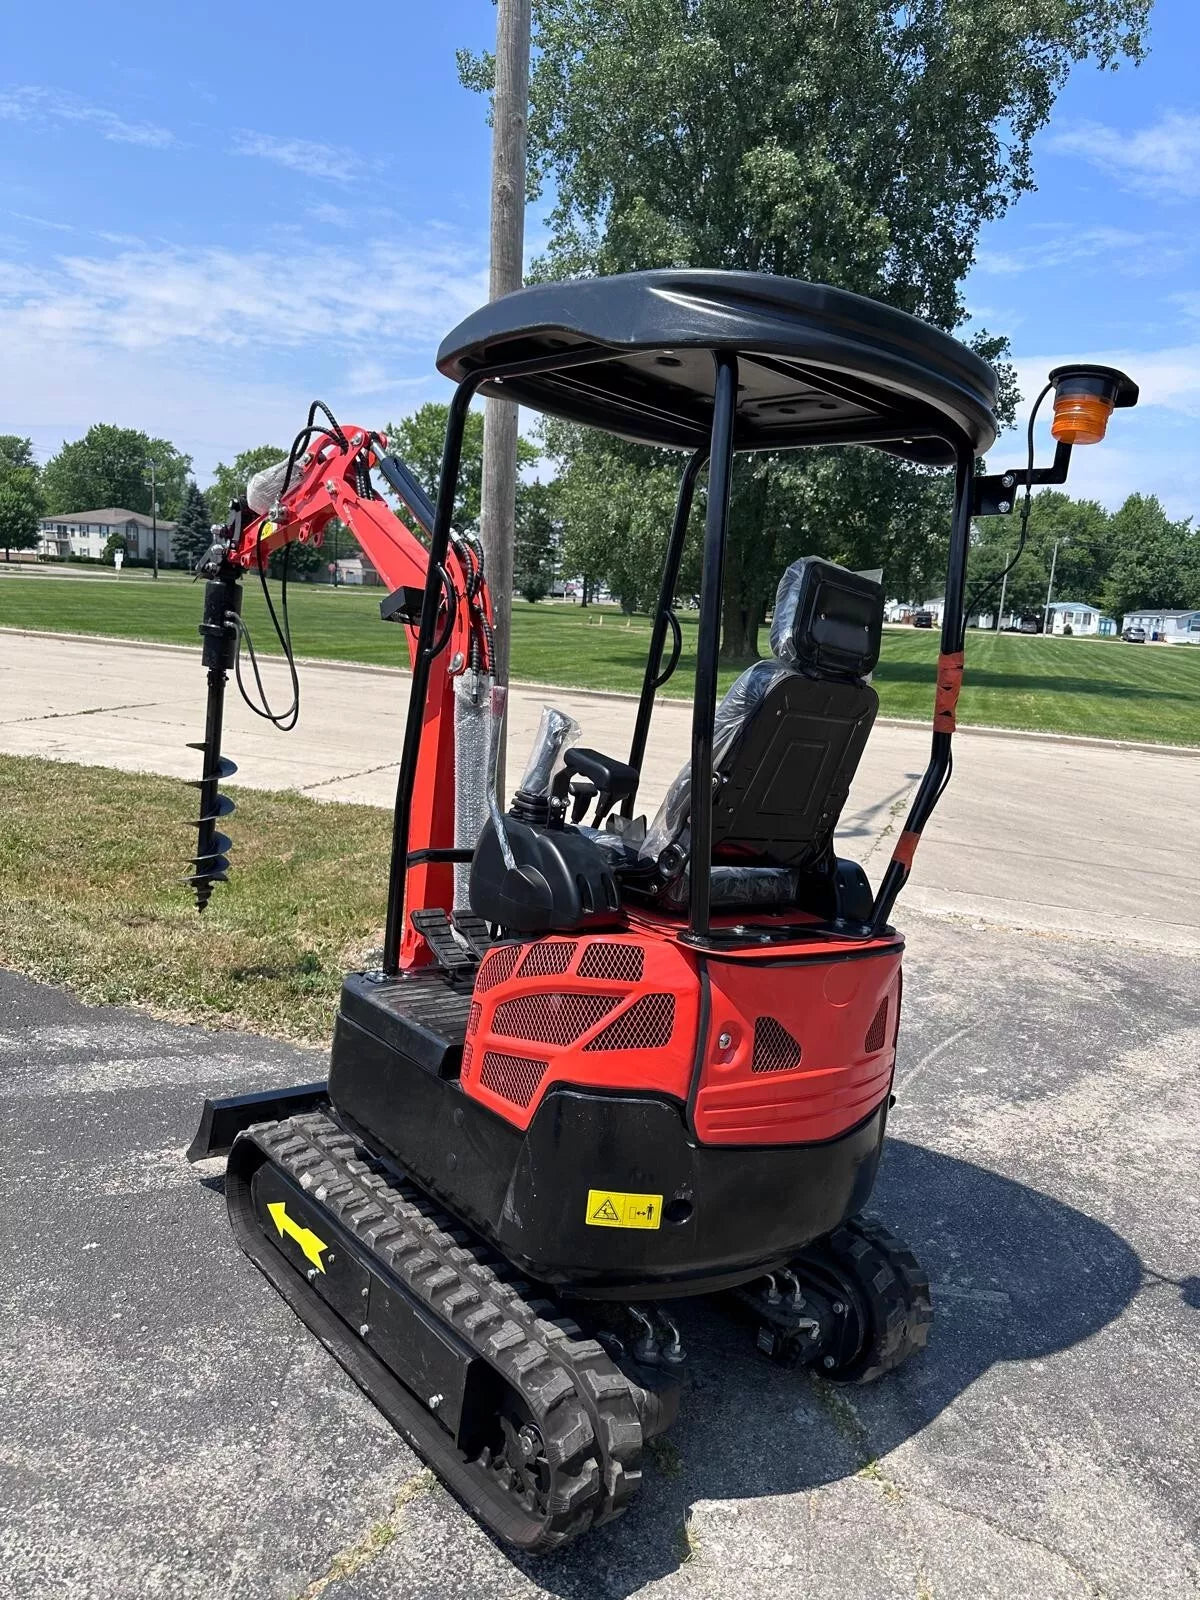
pixel 289 1228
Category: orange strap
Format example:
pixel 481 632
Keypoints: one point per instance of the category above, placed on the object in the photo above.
pixel 906 849
pixel 949 682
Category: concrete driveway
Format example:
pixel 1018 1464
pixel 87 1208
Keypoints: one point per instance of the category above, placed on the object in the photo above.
pixel 168 1428
pixel 1055 835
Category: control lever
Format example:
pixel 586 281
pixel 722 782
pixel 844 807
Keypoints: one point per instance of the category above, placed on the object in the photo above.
pixel 583 792
pixel 616 780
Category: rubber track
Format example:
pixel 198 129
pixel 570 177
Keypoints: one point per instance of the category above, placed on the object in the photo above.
pixel 897 1292
pixel 584 1406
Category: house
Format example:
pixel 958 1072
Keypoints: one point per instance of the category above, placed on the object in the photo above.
pixel 1080 618
pixel 1172 627
pixel 85 533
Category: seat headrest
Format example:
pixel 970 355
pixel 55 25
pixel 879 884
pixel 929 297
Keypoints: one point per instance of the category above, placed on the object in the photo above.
pixel 828 621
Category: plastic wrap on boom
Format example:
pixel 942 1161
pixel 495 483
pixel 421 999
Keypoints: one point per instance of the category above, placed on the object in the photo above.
pixel 556 732
pixel 263 489
pixel 475 731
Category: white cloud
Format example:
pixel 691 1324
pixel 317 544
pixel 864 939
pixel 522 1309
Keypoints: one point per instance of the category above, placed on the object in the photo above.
pixel 218 349
pixel 307 156
pixel 1126 251
pixel 41 106
pixel 1163 159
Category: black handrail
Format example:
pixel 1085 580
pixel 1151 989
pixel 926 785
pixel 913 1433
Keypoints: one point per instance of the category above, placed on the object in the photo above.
pixel 662 616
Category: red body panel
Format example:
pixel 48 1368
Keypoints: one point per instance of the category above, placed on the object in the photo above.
pixel 799 1039
pixel 795 1054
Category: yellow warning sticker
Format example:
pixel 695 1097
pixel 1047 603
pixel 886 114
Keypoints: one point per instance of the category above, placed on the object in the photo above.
pixel 606 1208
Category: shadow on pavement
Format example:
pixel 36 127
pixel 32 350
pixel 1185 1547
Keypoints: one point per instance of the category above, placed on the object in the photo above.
pixel 1016 1276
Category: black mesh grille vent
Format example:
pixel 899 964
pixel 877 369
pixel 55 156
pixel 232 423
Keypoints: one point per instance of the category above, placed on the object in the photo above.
pixel 549 959
pixel 877 1032
pixel 619 963
pixel 775 1050
pixel 552 1018
pixel 497 966
pixel 514 1078
pixel 648 1024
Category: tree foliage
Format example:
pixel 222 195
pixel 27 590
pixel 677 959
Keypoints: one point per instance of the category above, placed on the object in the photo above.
pixel 193 533
pixel 229 482
pixel 862 144
pixel 20 495
pixel 109 466
pixel 418 439
pixel 536 541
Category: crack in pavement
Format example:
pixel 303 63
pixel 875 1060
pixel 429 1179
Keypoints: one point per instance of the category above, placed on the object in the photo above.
pixel 353 1558
pixel 88 711
pixel 346 777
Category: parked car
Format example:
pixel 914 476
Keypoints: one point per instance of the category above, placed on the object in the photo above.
pixel 922 619
pixel 1134 635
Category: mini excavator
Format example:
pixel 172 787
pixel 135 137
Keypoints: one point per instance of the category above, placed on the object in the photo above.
pixel 607 1063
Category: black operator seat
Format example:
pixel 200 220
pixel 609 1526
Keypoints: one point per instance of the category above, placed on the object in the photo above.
pixel 787 741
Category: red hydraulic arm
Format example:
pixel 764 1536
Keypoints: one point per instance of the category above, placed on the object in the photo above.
pixel 332 479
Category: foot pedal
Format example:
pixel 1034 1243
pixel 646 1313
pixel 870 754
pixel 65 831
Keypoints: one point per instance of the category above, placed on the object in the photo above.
pixel 436 929
pixel 474 930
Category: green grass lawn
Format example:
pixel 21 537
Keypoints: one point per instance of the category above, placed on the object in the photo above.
pixel 99 905
pixel 1089 686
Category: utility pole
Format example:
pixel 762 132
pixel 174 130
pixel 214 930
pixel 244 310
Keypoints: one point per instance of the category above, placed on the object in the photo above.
pixel 1050 590
pixel 510 112
pixel 153 465
pixel 1003 592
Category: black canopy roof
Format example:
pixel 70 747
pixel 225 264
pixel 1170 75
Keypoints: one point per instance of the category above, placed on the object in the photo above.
pixel 632 354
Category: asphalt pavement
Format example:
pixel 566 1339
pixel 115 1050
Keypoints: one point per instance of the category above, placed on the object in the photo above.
pixel 168 1428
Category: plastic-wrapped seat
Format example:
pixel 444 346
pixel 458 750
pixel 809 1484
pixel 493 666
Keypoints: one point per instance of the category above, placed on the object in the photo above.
pixel 787 741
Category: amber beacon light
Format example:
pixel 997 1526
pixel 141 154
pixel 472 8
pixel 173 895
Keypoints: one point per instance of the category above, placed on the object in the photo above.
pixel 1084 399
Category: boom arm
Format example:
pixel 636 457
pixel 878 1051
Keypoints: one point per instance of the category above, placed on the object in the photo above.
pixel 332 479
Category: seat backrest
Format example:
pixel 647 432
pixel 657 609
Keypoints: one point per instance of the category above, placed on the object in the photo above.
pixel 790 732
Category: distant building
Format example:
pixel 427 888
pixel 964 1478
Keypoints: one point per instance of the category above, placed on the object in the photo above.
pixel 85 533
pixel 1172 627
pixel 1081 618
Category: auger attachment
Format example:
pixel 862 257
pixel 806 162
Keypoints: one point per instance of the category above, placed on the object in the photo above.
pixel 222 605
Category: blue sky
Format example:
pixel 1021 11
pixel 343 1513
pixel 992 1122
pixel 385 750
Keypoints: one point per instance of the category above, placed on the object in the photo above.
pixel 210 214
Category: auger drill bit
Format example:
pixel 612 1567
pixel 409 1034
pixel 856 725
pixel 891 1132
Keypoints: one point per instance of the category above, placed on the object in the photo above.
pixel 222 603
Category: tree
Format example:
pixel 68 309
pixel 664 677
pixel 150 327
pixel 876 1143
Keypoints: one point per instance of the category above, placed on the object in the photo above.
pixel 1154 560
pixel 114 542
pixel 16 452
pixel 229 482
pixel 536 543
pixel 21 500
pixel 20 510
pixel 862 145
pixel 193 535
pixel 418 439
pixel 108 467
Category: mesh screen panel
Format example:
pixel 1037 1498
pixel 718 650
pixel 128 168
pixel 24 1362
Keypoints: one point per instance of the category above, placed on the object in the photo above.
pixel 877 1032
pixel 548 959
pixel 497 966
pixel 648 1024
pixel 619 963
pixel 514 1078
pixel 775 1050
pixel 552 1018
